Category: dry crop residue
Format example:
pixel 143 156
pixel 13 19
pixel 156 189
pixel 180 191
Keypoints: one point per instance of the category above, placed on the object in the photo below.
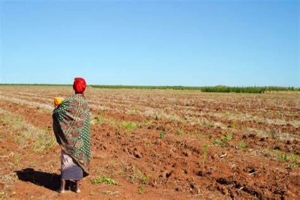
pixel 156 144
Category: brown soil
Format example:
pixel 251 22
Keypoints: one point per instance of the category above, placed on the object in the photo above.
pixel 156 144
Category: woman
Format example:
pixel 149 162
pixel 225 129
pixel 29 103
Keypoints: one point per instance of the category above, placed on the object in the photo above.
pixel 71 125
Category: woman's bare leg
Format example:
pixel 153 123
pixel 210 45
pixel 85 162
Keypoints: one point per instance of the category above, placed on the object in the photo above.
pixel 77 190
pixel 62 186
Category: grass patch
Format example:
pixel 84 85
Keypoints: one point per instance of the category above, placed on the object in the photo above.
pixel 98 120
pixel 147 123
pixel 180 132
pixel 135 175
pixel 290 158
pixel 104 179
pixel 242 144
pixel 162 135
pixel 223 141
pixel 27 134
pixel 129 125
pixel 227 137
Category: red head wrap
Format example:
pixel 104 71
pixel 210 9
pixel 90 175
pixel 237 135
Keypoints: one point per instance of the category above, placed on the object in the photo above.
pixel 79 85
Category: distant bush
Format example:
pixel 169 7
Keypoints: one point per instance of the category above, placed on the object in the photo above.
pixel 247 89
pixel 234 89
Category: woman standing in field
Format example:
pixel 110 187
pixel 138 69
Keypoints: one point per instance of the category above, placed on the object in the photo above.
pixel 71 126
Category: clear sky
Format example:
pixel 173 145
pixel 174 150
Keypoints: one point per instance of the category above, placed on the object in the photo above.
pixel 151 42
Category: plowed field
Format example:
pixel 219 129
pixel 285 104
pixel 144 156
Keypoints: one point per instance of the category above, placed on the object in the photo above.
pixel 156 144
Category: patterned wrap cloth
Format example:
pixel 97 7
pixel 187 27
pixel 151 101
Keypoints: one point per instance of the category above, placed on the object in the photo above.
pixel 71 126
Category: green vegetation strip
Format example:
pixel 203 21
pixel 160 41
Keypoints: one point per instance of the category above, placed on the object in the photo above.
pixel 223 89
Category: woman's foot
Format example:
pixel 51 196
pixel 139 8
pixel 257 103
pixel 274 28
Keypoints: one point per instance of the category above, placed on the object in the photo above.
pixel 77 190
pixel 61 191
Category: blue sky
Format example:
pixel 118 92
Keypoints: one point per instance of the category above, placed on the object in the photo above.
pixel 187 43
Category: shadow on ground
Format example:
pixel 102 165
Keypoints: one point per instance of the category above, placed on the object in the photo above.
pixel 48 180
